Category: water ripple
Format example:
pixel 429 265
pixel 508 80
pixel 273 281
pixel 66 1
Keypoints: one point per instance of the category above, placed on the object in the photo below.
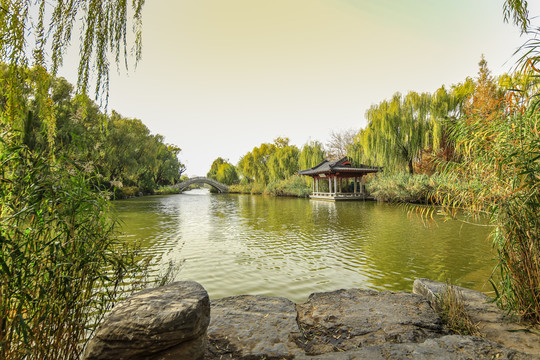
pixel 240 244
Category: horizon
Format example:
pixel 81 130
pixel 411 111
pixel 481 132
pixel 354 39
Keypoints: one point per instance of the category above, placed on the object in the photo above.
pixel 219 78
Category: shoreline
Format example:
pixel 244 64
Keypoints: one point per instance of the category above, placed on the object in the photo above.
pixel 178 321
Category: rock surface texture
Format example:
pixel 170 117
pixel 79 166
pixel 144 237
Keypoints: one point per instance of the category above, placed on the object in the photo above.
pixel 253 327
pixel 173 323
pixel 451 347
pixel 349 319
pixel 341 325
pixel 493 323
pixel 169 322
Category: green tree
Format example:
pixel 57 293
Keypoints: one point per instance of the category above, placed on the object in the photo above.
pixel 170 169
pixel 57 243
pixel 223 171
pixel 227 174
pixel 283 162
pixel 398 131
pixel 253 165
pixel 311 155
pixel 214 168
pixel 269 162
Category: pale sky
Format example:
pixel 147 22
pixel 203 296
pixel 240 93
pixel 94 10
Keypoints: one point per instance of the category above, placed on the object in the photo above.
pixel 219 77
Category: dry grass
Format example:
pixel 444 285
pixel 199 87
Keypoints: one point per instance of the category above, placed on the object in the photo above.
pixel 453 313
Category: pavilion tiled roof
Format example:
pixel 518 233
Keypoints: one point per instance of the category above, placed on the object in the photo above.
pixel 339 166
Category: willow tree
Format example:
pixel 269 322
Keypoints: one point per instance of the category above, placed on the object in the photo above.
pixel 355 152
pixel 447 106
pixel 253 165
pixel 283 163
pixel 517 11
pixel 223 171
pixel 397 131
pixel 312 154
pixel 60 260
pixel 31 29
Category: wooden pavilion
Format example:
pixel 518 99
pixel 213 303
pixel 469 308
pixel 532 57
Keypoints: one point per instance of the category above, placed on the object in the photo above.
pixel 344 181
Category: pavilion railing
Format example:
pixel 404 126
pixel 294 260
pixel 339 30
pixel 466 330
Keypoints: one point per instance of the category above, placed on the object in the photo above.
pixel 338 194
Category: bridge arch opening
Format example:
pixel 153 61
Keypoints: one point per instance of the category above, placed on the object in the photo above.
pixel 222 188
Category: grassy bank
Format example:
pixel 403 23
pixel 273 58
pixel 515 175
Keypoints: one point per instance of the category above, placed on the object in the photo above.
pixel 292 186
pixel 403 187
pixel 388 188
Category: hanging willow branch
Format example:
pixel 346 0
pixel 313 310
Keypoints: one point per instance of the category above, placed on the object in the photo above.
pixel 24 30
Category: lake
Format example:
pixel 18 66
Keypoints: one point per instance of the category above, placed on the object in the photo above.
pixel 278 246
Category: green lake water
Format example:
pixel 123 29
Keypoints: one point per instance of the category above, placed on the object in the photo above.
pixel 290 247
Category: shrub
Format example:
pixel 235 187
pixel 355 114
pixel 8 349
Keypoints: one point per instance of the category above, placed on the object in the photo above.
pixel 166 190
pixel 257 188
pixel 403 187
pixel 292 186
pixel 60 260
pixel 240 188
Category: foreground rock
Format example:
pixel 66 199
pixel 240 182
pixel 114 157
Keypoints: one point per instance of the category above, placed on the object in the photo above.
pixel 493 323
pixel 341 325
pixel 253 327
pixel 169 322
pixel 173 323
pixel 450 347
pixel 349 319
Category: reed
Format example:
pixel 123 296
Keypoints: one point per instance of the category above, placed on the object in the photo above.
pixel 452 310
pixel 291 186
pixel 61 263
pixel 498 173
pixel 403 188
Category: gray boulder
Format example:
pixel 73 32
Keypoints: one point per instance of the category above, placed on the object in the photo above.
pixel 349 319
pixel 493 323
pixel 451 347
pixel 253 327
pixel 164 323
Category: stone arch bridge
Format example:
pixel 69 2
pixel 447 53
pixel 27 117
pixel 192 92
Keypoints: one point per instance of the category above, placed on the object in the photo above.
pixel 222 188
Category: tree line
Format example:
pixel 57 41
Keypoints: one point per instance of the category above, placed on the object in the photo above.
pixel 58 242
pixel 406 131
pixel 475 147
pixel 121 152
pixel 269 164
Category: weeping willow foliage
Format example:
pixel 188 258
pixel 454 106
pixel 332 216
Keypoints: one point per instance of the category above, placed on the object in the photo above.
pixel 400 129
pixel 60 260
pixel 355 152
pixel 269 162
pixel 223 171
pixel 517 12
pixel 252 166
pixel 498 174
pixel 103 32
pixel 311 155
pixel 283 163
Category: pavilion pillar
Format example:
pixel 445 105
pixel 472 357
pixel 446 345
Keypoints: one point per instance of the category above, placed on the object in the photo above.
pixel 330 184
pixel 361 185
pixel 317 184
pixel 335 184
pixel 313 186
pixel 355 180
